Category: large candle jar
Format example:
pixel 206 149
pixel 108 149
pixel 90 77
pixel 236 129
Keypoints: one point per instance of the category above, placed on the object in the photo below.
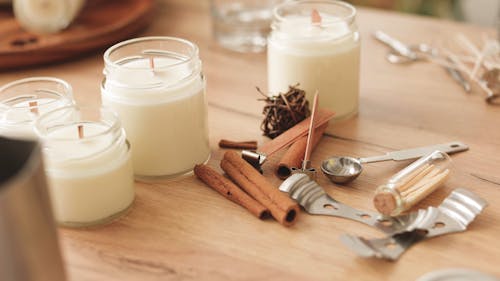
pixel 157 87
pixel 22 101
pixel 316 44
pixel 88 165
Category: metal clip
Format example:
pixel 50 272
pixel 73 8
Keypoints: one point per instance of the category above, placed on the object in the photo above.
pixel 456 212
pixel 316 201
pixel 254 158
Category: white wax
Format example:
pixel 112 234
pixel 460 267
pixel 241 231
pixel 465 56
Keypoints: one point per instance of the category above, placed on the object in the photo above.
pixel 166 125
pixel 90 179
pixel 16 118
pixel 323 58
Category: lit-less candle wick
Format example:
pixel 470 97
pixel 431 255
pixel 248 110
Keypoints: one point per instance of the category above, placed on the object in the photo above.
pixel 315 17
pixel 80 131
pixel 33 107
pixel 152 63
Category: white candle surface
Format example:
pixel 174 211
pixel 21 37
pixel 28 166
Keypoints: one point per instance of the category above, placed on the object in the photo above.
pixel 163 113
pixel 90 179
pixel 322 57
pixel 17 117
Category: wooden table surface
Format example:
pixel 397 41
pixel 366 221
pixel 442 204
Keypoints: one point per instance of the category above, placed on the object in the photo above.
pixel 181 230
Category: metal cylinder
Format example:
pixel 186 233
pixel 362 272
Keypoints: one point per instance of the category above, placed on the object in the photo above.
pixel 29 248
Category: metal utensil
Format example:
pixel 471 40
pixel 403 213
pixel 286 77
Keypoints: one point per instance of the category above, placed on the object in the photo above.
pixel 343 169
pixel 399 47
pixel 456 212
pixel 29 249
pixel 457 76
pixel 316 201
pixel 401 53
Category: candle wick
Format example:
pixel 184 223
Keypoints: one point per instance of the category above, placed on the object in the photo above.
pixel 315 17
pixel 33 107
pixel 80 131
pixel 152 63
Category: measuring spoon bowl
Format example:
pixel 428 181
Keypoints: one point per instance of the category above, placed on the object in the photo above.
pixel 341 169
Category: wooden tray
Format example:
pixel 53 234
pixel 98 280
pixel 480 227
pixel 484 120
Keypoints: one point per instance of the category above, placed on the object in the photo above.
pixel 100 24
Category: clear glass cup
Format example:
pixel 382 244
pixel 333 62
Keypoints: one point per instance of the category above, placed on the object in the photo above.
pixel 242 25
pixel 23 101
pixel 156 86
pixel 88 165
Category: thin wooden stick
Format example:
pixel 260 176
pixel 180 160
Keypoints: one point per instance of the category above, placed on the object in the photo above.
pixel 80 132
pixel 421 182
pixel 467 45
pixel 33 107
pixel 479 62
pixel 428 188
pixel 415 177
pixel 310 136
pixel 464 68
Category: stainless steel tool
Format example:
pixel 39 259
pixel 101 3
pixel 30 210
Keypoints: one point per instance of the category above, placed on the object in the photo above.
pixel 29 248
pixel 456 212
pixel 316 201
pixel 343 169
pixel 401 53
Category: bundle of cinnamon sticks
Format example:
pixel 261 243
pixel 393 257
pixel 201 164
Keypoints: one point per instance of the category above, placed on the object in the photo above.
pixel 252 190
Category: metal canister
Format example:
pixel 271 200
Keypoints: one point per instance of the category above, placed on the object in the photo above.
pixel 29 248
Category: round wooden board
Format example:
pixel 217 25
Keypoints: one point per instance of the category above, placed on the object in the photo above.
pixel 100 24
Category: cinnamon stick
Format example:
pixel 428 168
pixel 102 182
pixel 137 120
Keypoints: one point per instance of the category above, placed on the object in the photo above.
pixel 229 190
pixel 295 154
pixel 251 145
pixel 282 208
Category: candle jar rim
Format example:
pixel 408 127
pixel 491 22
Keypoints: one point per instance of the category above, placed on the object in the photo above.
pixel 193 54
pixel 65 94
pixel 43 130
pixel 349 18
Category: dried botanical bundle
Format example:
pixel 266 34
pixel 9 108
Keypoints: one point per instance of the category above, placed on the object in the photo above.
pixel 283 111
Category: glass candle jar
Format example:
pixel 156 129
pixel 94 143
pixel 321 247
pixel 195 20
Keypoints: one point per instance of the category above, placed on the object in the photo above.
pixel 316 44
pixel 88 165
pixel 157 87
pixel 412 184
pixel 22 101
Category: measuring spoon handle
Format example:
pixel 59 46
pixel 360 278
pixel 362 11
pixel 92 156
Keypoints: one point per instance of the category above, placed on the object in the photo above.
pixel 418 152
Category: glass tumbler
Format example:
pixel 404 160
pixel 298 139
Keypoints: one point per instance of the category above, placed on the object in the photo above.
pixel 242 25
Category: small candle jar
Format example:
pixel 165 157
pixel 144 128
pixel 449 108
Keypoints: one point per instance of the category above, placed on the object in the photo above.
pixel 88 165
pixel 157 87
pixel 22 101
pixel 412 184
pixel 316 44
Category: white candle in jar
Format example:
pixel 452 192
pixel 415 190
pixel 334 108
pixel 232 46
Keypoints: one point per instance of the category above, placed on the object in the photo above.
pixel 90 176
pixel 162 106
pixel 23 101
pixel 320 56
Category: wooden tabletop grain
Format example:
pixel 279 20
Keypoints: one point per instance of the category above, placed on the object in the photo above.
pixel 182 230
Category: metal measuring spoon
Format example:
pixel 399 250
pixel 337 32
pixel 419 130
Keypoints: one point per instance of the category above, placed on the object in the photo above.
pixel 343 169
